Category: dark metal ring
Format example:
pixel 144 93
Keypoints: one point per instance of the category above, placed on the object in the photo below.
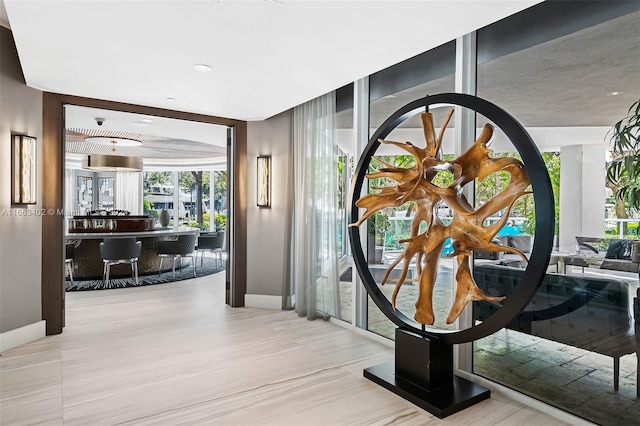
pixel 544 210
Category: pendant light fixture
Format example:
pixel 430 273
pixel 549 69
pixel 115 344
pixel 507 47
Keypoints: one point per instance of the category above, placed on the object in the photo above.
pixel 112 163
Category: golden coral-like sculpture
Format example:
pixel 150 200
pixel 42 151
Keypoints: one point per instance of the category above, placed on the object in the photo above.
pixel 466 229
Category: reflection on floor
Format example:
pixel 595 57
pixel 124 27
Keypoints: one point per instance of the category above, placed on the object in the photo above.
pixel 575 380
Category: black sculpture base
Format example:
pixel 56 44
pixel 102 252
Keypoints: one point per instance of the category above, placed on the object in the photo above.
pixel 441 403
pixel 423 375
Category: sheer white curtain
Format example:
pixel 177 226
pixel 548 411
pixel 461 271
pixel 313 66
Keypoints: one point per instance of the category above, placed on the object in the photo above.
pixel 129 192
pixel 314 248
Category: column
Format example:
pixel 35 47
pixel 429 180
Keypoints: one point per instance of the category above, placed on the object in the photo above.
pixel 361 128
pixel 465 134
pixel 582 193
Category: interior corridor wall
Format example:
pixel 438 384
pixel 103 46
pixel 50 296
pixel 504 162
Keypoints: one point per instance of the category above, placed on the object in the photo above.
pixel 268 229
pixel 20 233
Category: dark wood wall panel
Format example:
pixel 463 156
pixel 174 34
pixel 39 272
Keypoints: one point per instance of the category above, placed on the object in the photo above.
pixel 52 225
pixel 240 217
pixel 53 182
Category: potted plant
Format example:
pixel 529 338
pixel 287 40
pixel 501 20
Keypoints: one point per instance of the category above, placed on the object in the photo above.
pixel 147 207
pixel 623 171
pixel 220 221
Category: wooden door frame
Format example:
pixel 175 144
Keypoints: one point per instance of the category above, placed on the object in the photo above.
pixel 53 175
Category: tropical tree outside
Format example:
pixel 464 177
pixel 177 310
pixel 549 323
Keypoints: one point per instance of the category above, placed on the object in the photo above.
pixel 156 178
pixel 486 189
pixel 524 206
pixel 623 171
pixel 198 184
pixel 220 190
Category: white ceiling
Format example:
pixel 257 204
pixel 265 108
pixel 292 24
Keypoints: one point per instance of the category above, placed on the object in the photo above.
pixel 267 56
pixel 78 117
pixel 165 141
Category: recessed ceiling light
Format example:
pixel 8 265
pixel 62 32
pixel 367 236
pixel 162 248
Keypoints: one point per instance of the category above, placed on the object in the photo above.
pixel 147 120
pixel 202 67
pixel 141 124
pixel 614 93
pixel 171 99
pixel 388 97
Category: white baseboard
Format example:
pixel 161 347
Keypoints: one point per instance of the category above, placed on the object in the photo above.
pixel 22 335
pixel 262 301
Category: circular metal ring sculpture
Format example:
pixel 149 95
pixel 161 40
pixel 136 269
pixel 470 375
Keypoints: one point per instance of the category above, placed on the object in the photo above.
pixel 544 211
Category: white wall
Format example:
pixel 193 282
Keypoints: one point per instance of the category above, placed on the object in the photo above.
pixel 268 229
pixel 20 234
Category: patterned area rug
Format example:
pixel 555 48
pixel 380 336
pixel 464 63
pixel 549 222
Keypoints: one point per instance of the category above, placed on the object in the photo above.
pixel 210 266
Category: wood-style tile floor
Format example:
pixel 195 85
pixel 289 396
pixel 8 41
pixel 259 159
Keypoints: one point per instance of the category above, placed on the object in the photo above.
pixel 175 354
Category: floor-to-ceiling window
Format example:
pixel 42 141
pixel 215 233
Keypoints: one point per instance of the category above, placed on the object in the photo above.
pixel 567 83
pixel 390 89
pixel 346 154
pixel 567 73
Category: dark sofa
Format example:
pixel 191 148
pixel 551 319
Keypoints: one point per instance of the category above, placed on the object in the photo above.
pixel 620 255
pixel 581 311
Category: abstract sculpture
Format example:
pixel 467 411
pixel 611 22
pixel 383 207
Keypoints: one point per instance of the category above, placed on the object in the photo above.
pixel 466 230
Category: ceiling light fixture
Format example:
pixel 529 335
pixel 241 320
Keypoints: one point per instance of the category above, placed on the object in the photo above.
pixel 141 124
pixel 202 67
pixel 614 93
pixel 171 99
pixel 147 120
pixel 112 163
pixel 113 142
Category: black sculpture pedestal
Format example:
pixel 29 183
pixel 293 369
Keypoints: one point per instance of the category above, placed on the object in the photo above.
pixel 423 375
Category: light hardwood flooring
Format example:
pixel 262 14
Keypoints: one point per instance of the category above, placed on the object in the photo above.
pixel 175 354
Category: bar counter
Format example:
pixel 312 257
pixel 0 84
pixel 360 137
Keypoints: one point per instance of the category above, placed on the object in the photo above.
pixel 88 262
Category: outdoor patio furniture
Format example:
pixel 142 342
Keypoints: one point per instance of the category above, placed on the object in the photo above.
pixel 582 311
pixel 620 255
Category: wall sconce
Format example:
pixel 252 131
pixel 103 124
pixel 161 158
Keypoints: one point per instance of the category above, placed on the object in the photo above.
pixel 264 181
pixel 23 170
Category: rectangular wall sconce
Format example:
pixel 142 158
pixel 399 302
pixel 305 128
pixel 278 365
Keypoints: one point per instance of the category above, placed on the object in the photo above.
pixel 23 170
pixel 264 181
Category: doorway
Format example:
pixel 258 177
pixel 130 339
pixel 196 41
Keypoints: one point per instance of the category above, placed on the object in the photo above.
pixel 53 197
pixel 183 179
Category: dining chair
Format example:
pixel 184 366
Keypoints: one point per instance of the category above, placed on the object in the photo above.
pixel 68 259
pixel 183 246
pixel 212 242
pixel 120 250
